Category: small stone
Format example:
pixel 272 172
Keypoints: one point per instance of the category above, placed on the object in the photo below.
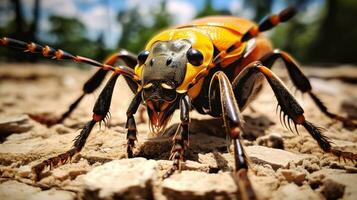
pixel 273 140
pixel 14 124
pixel 215 161
pixel 121 179
pixel 333 180
pixel 332 189
pixel 310 166
pixel 350 107
pixel 195 166
pixel 292 176
pixel 71 170
pixel 275 157
pixel 24 171
pixel 199 185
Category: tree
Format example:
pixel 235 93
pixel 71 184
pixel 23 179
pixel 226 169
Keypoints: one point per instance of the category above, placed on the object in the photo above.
pixel 70 34
pixel 261 8
pixel 337 36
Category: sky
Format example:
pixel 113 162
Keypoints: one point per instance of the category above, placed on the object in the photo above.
pixel 100 16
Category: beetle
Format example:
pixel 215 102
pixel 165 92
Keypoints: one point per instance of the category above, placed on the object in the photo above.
pixel 215 65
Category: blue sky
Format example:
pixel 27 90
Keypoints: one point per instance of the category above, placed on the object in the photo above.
pixel 100 15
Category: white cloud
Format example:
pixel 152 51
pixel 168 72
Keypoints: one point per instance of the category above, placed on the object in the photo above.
pixel 98 19
pixel 182 11
pixel 53 7
pixel 60 7
pixel 237 9
pixel 145 9
pixel 101 19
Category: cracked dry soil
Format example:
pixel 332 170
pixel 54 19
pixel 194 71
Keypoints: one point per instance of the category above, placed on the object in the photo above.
pixel 284 165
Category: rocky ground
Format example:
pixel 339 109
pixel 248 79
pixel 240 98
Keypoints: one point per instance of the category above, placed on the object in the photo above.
pixel 284 165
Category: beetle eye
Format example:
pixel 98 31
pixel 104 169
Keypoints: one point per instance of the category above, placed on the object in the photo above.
pixel 143 56
pixel 194 57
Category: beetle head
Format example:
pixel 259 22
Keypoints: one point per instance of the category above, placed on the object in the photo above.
pixel 164 69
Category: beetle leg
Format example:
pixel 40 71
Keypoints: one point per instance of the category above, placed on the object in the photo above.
pixel 100 110
pixel 60 54
pixel 269 22
pixel 302 82
pixel 131 125
pixel 265 24
pixel 180 140
pixel 289 106
pixel 90 86
pixel 233 122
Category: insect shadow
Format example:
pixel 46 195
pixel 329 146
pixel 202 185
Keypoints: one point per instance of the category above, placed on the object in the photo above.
pixel 207 135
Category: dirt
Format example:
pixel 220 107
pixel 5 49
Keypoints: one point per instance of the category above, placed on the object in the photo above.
pixel 287 166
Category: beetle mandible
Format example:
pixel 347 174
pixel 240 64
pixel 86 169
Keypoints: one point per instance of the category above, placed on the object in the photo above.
pixel 216 65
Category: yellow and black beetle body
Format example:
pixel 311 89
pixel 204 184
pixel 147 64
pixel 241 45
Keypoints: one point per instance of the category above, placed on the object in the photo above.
pixel 216 65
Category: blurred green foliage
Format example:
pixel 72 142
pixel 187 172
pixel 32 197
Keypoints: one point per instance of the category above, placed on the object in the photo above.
pixel 136 31
pixel 69 34
pixel 329 37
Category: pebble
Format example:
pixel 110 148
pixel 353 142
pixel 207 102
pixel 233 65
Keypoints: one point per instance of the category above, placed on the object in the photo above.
pixel 277 158
pixel 121 179
pixel 199 185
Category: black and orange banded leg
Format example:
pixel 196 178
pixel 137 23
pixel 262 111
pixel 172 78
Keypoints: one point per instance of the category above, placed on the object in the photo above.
pixel 131 125
pixel 59 54
pixel 100 110
pixel 90 86
pixel 302 83
pixel 269 22
pixel 292 111
pixel 233 122
pixel 180 140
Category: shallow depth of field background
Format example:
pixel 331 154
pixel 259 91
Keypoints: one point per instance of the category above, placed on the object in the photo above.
pixel 322 33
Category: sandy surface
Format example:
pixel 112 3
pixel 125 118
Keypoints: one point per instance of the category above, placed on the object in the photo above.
pixel 301 171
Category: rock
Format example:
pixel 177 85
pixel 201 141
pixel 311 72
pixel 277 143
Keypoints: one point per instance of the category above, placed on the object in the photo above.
pixel 293 192
pixel 164 165
pixel 121 179
pixel 13 190
pixel 311 165
pixel 71 170
pixel 273 140
pixel 199 185
pixel 336 183
pixel 275 157
pixel 292 176
pixel 14 124
pixel 350 107
pixel 215 161
pixel 332 189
